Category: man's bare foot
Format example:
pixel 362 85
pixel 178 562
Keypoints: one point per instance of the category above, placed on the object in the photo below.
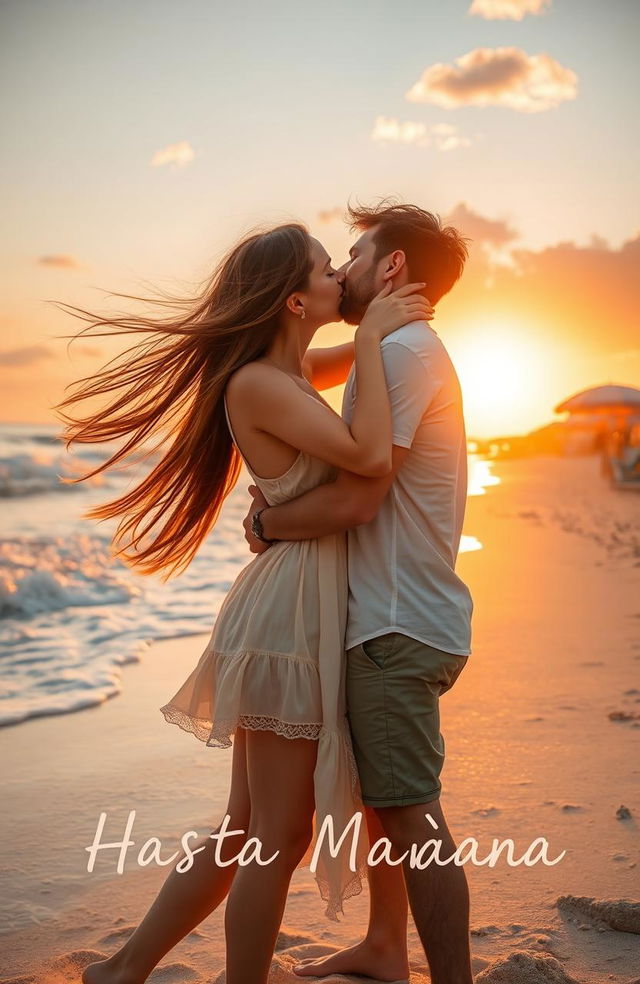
pixel 382 962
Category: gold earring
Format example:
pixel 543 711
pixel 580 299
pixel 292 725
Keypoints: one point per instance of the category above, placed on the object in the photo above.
pixel 304 314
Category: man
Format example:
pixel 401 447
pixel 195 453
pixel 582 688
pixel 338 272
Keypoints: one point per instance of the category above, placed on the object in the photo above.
pixel 409 620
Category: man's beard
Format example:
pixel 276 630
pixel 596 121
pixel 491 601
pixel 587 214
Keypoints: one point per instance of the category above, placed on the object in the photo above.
pixel 356 299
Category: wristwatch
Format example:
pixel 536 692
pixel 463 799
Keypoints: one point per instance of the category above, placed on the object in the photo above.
pixel 256 526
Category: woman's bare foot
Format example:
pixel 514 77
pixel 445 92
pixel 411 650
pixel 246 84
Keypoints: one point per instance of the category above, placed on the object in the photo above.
pixel 382 962
pixel 107 972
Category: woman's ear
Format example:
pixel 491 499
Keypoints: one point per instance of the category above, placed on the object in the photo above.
pixel 295 305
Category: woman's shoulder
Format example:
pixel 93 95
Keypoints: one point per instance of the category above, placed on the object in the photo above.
pixel 259 391
pixel 243 380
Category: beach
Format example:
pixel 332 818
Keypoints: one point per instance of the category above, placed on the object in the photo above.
pixel 542 735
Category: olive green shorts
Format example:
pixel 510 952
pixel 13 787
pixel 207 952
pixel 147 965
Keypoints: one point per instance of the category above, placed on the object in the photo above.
pixel 394 684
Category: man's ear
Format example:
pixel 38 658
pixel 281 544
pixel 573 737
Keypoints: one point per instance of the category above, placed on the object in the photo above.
pixel 396 262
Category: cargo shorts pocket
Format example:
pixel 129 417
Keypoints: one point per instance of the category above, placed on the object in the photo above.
pixel 453 671
pixel 377 650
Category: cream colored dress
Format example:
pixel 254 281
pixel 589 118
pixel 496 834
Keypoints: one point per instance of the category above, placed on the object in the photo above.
pixel 276 661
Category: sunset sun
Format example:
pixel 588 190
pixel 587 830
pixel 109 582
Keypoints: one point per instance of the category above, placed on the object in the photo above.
pixel 500 363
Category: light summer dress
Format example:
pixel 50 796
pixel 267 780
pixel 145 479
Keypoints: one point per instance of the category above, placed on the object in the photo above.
pixel 276 661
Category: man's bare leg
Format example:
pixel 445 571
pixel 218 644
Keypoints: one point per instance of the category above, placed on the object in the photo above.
pixel 438 894
pixel 383 951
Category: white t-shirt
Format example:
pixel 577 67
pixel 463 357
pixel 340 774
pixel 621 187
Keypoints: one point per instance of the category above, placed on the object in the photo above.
pixel 401 564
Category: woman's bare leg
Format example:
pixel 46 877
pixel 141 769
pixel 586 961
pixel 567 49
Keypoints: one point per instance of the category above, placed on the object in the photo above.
pixel 187 897
pixel 383 952
pixel 280 772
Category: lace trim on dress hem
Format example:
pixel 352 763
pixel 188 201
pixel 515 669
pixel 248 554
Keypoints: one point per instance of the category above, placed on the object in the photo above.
pixel 285 729
pixel 219 734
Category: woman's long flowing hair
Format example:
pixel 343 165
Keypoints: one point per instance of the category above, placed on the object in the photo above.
pixel 171 384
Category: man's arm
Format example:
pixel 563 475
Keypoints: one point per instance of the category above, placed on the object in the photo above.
pixel 331 508
pixel 327 367
pixel 353 499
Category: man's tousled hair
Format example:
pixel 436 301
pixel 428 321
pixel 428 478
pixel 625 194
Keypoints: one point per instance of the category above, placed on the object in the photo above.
pixel 435 253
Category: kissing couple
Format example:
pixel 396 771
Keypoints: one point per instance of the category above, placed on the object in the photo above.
pixel 333 646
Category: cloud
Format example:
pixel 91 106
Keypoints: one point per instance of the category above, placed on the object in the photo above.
pixel 29 355
pixel 446 136
pixel 177 154
pixel 330 214
pixel 587 295
pixel 442 136
pixel 61 261
pixel 494 232
pixel 89 351
pixel 594 288
pixel 392 131
pixel 497 77
pixel 507 9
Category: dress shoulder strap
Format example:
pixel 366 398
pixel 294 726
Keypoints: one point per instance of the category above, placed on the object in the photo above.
pixel 226 413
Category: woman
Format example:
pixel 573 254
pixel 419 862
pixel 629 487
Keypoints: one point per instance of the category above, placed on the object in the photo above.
pixel 272 673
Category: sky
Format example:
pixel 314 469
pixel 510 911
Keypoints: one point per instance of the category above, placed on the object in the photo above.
pixel 143 138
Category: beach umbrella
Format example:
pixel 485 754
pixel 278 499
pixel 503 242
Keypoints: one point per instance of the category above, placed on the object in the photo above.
pixel 601 398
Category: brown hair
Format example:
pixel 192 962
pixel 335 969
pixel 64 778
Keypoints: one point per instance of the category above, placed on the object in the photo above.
pixel 435 253
pixel 171 384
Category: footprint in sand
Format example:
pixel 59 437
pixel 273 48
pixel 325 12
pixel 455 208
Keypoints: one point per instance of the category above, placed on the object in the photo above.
pixel 117 935
pixel 288 938
pixel 623 716
pixel 484 930
pixel 622 915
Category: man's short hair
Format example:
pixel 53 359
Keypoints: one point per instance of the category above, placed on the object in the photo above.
pixel 435 253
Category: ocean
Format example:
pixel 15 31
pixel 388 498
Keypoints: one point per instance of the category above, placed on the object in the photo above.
pixel 71 613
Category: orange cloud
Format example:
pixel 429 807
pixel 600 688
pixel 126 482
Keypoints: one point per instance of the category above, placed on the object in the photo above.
pixel 29 355
pixel 442 136
pixel 497 77
pixel 587 295
pixel 507 9
pixel 595 288
pixel 178 154
pixel 330 214
pixel 494 232
pixel 60 260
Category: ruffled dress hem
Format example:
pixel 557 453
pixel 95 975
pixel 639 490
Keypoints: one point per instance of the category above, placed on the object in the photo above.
pixel 218 735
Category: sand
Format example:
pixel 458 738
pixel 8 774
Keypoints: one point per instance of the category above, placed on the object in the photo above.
pixel 542 740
